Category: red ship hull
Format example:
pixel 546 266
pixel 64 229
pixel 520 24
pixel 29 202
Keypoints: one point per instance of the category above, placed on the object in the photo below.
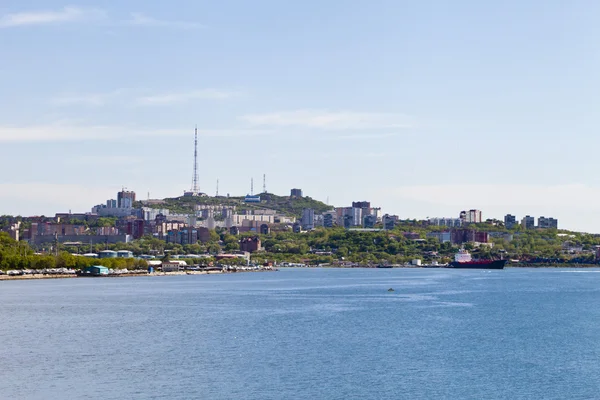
pixel 479 264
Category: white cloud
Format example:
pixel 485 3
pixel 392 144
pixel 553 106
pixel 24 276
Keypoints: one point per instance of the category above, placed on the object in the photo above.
pixel 180 97
pixel 330 120
pixel 63 132
pixel 66 15
pixel 139 19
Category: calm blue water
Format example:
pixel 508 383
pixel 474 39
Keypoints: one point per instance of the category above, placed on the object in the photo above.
pixel 305 334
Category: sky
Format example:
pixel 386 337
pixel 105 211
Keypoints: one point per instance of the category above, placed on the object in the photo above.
pixel 425 108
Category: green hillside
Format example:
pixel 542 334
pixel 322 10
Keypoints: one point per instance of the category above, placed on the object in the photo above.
pixel 283 204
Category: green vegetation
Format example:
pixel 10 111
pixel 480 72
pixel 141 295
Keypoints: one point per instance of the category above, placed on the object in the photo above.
pixel 326 246
pixel 283 204
pixel 18 255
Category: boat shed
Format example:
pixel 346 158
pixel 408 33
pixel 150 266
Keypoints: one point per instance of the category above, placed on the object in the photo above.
pixel 96 270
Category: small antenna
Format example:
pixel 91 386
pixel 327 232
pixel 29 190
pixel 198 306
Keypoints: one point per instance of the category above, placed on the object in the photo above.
pixel 264 183
pixel 217 195
pixel 251 186
pixel 327 200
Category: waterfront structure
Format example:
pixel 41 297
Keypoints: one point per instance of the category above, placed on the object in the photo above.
pixel 107 254
pixel 510 221
pixel 95 270
pixel 528 222
pixel 124 254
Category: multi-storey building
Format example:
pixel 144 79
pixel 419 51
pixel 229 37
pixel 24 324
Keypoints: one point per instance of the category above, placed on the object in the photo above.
pixel 471 216
pixel 528 222
pixel 125 199
pixel 449 222
pixel 308 219
pixel 546 223
pixel 510 221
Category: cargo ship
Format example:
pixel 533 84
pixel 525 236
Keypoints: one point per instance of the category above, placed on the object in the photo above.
pixel 463 259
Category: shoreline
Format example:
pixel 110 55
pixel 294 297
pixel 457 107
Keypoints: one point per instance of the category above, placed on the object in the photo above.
pixel 129 275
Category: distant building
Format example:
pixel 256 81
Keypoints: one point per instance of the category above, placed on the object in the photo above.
pixel 369 221
pixel 528 222
pixel 265 229
pixel 107 254
pixel 389 221
pixel 125 199
pixel 204 235
pixel 308 219
pixel 296 193
pixel 442 237
pixel 297 227
pixel 471 216
pixel 328 219
pixel 124 254
pixel 348 221
pixel 234 230
pixel 547 223
pixel 460 236
pixel 510 221
pixel 250 244
pixel 252 199
pixel 449 222
pixel 361 204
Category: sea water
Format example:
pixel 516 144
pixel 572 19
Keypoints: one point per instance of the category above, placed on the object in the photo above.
pixel 305 334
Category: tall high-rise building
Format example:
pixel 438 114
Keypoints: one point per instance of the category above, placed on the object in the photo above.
pixel 510 221
pixel 528 222
pixel 125 199
pixel 308 219
pixel 546 223
pixel 471 216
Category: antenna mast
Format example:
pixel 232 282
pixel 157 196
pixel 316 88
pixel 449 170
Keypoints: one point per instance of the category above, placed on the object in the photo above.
pixel 217 195
pixel 195 189
pixel 264 183
pixel 251 186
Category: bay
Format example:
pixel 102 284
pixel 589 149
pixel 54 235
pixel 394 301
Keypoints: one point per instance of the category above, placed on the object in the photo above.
pixel 305 334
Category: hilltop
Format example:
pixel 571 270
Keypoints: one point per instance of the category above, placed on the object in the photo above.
pixel 291 206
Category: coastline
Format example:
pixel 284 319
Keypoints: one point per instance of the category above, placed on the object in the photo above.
pixel 126 275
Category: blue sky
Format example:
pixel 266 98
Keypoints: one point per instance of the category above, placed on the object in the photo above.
pixel 424 108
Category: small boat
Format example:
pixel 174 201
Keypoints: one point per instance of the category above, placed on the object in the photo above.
pixel 391 290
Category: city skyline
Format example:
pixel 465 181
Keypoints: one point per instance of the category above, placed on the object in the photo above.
pixel 424 110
